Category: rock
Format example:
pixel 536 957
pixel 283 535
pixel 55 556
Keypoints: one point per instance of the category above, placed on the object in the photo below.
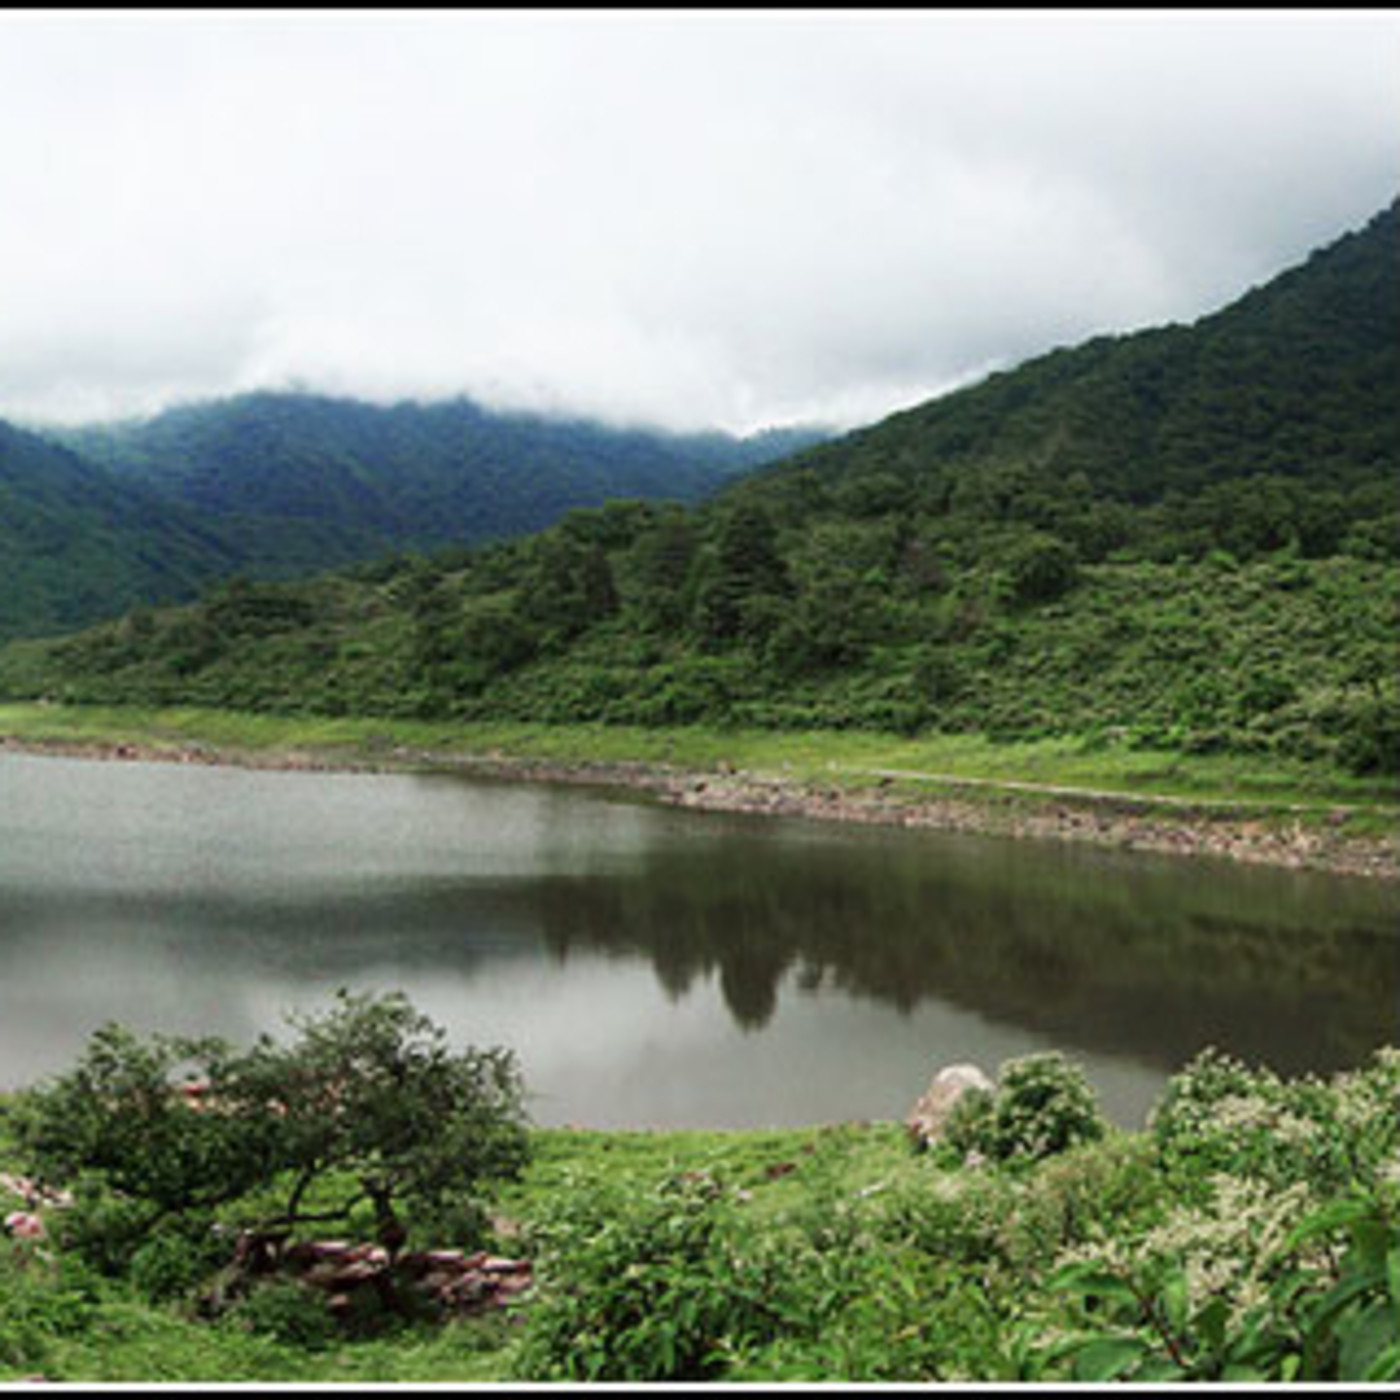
pixel 514 1283
pixel 503 1227
pixel 929 1115
pixel 493 1265
pixel 32 1194
pixel 24 1225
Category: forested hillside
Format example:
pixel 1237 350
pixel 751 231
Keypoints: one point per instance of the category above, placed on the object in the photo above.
pixel 1187 537
pixel 1273 421
pixel 96 520
pixel 409 475
pixel 76 545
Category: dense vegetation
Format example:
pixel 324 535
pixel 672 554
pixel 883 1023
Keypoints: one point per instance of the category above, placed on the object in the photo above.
pixel 1186 538
pixel 96 520
pixel 1251 1232
pixel 410 473
pixel 76 545
pixel 1271 423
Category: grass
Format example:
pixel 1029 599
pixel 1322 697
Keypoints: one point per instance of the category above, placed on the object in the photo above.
pixel 776 1165
pixel 925 764
pixel 855 1259
pixel 124 1339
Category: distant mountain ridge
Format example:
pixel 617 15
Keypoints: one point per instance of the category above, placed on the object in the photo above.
pixel 98 519
pixel 411 474
pixel 1185 538
pixel 76 545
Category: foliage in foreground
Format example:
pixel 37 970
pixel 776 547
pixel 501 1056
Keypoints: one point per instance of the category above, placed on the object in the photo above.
pixel 369 1095
pixel 1189 1252
pixel 1042 1105
pixel 1251 1232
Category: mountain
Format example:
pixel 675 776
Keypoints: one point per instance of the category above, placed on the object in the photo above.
pixel 409 475
pixel 95 520
pixel 1275 417
pixel 76 545
pixel 1184 538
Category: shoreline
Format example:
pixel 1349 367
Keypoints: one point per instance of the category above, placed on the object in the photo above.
pixel 1120 821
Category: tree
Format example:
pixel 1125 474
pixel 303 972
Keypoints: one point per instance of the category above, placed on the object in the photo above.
pixel 369 1091
pixel 120 1115
pixel 661 565
pixel 1042 568
pixel 567 587
pixel 744 572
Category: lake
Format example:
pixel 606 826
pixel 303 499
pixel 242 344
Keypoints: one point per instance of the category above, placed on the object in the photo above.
pixel 653 967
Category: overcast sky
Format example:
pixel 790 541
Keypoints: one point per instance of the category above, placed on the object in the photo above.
pixel 693 219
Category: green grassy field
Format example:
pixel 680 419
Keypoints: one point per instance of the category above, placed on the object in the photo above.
pixel 74 1334
pixel 844 758
pixel 1204 1248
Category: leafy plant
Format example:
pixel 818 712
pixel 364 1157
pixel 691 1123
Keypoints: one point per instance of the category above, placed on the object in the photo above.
pixel 286 1311
pixel 1323 1316
pixel 1041 1106
pixel 369 1092
pixel 41 1300
pixel 665 1286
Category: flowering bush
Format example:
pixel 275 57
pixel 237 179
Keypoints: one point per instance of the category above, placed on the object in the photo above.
pixel 1218 1115
pixel 1280 1258
pixel 1042 1105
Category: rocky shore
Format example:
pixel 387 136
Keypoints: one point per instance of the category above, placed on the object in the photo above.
pixel 1123 822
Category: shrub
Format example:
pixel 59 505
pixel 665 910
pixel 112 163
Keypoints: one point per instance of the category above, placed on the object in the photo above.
pixel 1233 1293
pixel 659 1287
pixel 175 1259
pixel 1042 1105
pixel 956 1217
pixel 369 1091
pixel 1103 1187
pixel 1219 1116
pixel 288 1312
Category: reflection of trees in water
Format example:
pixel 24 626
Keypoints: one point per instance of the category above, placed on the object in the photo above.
pixel 1155 961
pixel 1147 958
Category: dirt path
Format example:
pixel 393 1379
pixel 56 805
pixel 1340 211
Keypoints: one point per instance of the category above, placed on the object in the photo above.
pixel 1110 795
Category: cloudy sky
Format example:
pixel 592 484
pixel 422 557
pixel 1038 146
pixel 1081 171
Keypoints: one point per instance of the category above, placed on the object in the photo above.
pixel 695 219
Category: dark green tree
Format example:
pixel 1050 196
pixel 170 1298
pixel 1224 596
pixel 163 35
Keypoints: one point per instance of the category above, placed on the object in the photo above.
pixel 370 1089
pixel 743 574
pixel 1041 568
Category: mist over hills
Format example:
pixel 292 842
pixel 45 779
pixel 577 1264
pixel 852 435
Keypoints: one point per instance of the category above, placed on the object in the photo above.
pixel 1184 538
pixel 1275 418
pixel 415 474
pixel 97 519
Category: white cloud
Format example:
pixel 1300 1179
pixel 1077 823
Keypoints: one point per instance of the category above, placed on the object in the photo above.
pixel 692 218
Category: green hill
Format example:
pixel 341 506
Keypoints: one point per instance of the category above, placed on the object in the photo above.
pixel 96 520
pixel 409 475
pixel 1273 420
pixel 76 545
pixel 1185 538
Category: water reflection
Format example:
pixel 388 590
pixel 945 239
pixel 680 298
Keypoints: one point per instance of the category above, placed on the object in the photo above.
pixel 1139 956
pixel 216 898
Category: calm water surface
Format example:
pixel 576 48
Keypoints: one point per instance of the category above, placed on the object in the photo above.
pixel 652 967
